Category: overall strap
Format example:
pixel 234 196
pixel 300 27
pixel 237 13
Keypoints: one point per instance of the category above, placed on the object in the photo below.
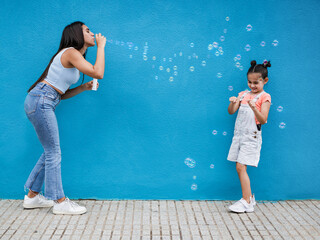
pixel 258 96
pixel 243 95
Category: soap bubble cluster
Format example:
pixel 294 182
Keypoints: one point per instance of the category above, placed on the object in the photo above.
pixel 190 162
pixel 282 125
pixel 194 187
pixel 280 109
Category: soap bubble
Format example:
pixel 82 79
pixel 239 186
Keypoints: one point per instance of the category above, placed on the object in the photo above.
pixel 130 56
pixel 238 64
pixel 241 68
pixel 211 166
pixel 249 27
pixel 194 177
pixel 154 58
pixel 247 48
pixel 219 75
pixel 160 68
pixel 194 187
pixel 194 55
pixel 221 52
pixel 175 68
pixel 136 48
pixel 210 47
pixel 235 59
pixel 227 19
pixel 145 57
pixel 191 44
pixel 217 53
pixel 175 55
pixel 203 63
pixel 192 68
pixel 190 162
pixel 238 56
pixel 220 49
pixel 170 59
pixel 224 133
pixel 168 69
pixel 230 88
pixel 263 43
pixel 280 109
pixel 215 44
pixel 282 125
pixel 164 59
pixel 175 73
pixel 122 43
pixel 214 132
pixel 222 38
pixel 180 54
pixel 275 43
pixel 171 79
pixel 156 77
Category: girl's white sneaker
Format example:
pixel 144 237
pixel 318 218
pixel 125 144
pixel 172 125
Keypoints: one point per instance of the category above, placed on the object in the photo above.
pixel 38 201
pixel 242 206
pixel 68 207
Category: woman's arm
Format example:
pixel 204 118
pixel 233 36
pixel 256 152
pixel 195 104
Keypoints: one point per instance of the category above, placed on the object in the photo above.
pixel 262 116
pixel 75 91
pixel 75 58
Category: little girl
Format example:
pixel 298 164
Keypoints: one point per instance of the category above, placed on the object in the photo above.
pixel 245 149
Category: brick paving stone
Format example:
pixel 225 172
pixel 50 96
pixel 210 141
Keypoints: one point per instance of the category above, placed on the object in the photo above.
pixel 137 220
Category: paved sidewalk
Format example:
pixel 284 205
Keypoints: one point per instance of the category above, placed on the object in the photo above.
pixel 136 219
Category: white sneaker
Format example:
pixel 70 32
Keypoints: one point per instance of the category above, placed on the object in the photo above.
pixel 253 199
pixel 38 201
pixel 242 206
pixel 68 207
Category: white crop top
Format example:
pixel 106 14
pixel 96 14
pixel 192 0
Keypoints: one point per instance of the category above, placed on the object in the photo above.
pixel 59 76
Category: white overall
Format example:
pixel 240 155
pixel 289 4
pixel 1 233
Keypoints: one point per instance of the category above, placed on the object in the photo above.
pixel 247 140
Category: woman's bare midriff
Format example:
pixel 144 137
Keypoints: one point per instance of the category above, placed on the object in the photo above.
pixel 44 81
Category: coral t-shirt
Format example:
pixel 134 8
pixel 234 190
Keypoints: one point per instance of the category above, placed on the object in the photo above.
pixel 265 97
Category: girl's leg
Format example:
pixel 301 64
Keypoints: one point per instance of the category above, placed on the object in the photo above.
pixel 245 181
pixel 46 126
pixel 36 177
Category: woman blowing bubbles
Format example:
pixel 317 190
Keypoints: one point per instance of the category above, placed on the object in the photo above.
pixel 44 95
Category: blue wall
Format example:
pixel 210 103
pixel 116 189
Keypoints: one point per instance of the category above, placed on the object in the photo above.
pixel 143 135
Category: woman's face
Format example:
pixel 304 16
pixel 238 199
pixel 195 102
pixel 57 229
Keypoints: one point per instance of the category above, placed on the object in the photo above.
pixel 88 36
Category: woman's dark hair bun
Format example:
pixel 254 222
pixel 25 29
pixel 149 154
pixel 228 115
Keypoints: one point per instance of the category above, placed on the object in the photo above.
pixel 253 63
pixel 266 64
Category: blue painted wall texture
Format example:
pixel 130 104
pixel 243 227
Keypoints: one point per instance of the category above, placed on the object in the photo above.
pixel 158 127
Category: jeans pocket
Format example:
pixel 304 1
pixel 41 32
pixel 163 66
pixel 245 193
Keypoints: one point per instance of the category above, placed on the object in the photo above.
pixel 31 103
pixel 50 96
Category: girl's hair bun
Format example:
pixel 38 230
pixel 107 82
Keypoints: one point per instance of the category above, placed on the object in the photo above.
pixel 253 63
pixel 266 64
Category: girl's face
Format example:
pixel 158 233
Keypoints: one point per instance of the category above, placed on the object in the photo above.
pixel 256 82
pixel 88 36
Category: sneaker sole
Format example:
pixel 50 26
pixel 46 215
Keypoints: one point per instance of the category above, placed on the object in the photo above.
pixel 68 213
pixel 246 211
pixel 29 206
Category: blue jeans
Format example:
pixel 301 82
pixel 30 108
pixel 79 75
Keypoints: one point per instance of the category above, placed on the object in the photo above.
pixel 39 106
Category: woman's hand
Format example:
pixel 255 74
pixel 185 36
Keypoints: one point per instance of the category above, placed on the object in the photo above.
pixel 89 85
pixel 101 40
